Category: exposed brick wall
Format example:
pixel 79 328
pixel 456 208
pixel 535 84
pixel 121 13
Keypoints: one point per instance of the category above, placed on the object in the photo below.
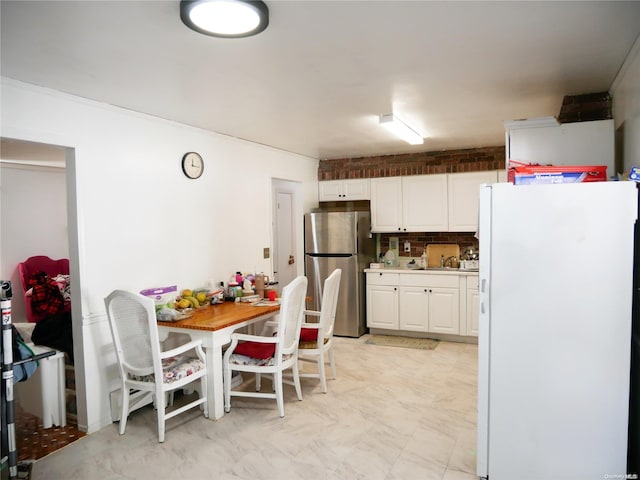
pixel 420 240
pixel 585 108
pixel 447 161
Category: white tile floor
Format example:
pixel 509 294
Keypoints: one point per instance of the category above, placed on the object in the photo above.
pixel 393 413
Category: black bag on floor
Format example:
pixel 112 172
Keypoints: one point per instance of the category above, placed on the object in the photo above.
pixel 55 332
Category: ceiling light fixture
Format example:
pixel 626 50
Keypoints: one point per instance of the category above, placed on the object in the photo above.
pixel 402 130
pixel 225 18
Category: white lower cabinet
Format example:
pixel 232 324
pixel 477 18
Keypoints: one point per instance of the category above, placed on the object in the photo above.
pixel 414 309
pixel 444 310
pixel 473 306
pixel 413 302
pixel 382 300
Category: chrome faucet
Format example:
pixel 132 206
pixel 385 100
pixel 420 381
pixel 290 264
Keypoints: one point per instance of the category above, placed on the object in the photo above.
pixel 451 260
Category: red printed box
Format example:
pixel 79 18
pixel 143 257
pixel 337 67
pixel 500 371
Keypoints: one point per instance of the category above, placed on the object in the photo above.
pixel 531 174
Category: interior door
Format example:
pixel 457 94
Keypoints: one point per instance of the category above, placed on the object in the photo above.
pixel 285 268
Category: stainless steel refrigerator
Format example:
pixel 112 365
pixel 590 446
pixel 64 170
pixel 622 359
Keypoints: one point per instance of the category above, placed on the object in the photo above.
pixel 556 278
pixel 340 240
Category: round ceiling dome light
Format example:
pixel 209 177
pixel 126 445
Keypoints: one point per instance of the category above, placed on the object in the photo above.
pixel 225 18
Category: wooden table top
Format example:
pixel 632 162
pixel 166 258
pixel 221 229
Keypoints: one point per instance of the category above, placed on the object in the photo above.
pixel 222 315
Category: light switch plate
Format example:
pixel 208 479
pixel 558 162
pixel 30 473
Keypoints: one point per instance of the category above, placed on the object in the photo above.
pixel 265 252
pixel 407 247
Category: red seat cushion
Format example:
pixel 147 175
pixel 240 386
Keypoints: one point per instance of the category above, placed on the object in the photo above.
pixel 309 334
pixel 256 349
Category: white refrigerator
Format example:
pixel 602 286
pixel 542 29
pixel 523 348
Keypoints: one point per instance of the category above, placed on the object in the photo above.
pixel 556 270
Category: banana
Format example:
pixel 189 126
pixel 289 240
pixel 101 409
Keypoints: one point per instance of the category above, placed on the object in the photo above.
pixel 194 301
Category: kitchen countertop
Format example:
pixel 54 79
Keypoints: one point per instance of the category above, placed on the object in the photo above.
pixel 436 271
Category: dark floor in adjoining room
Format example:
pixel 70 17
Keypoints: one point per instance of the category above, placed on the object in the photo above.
pixel 34 441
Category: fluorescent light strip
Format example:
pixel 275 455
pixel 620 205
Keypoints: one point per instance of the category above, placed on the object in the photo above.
pixel 406 133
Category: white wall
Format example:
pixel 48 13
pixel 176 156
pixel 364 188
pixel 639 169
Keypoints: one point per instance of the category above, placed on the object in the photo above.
pixel 626 106
pixel 33 221
pixel 136 222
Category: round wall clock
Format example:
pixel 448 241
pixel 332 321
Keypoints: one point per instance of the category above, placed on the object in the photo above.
pixel 192 165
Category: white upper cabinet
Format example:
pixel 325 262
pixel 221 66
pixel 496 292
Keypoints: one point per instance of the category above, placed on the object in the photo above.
pixel 416 203
pixel 464 191
pixel 547 142
pixel 343 190
pixel 424 203
pixel 386 204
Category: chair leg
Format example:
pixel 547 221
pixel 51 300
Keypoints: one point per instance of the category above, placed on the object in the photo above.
pixel 203 392
pixel 226 388
pixel 277 380
pixel 321 372
pixel 124 413
pixel 160 411
pixel 296 380
pixel 332 361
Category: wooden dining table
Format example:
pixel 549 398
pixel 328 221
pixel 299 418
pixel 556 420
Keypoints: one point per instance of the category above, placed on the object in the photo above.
pixel 213 325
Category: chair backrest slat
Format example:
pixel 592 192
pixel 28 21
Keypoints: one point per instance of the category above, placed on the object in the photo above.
pixel 291 314
pixel 134 331
pixel 330 302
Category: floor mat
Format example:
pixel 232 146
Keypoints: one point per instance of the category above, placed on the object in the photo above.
pixel 406 342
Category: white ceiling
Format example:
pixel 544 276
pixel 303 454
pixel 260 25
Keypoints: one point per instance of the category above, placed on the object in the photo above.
pixel 317 79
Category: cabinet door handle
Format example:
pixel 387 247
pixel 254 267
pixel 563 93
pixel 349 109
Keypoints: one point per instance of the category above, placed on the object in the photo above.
pixel 425 290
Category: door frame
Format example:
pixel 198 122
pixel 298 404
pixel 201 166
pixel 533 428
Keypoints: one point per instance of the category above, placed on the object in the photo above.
pixel 287 186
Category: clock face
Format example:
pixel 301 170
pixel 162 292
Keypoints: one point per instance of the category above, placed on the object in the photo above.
pixel 192 164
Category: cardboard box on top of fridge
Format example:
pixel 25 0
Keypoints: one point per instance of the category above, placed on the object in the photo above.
pixel 531 174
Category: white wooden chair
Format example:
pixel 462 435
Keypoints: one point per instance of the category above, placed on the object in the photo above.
pixel 269 355
pixel 316 338
pixel 144 368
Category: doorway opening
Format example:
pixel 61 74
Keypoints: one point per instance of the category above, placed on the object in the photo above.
pixel 38 186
